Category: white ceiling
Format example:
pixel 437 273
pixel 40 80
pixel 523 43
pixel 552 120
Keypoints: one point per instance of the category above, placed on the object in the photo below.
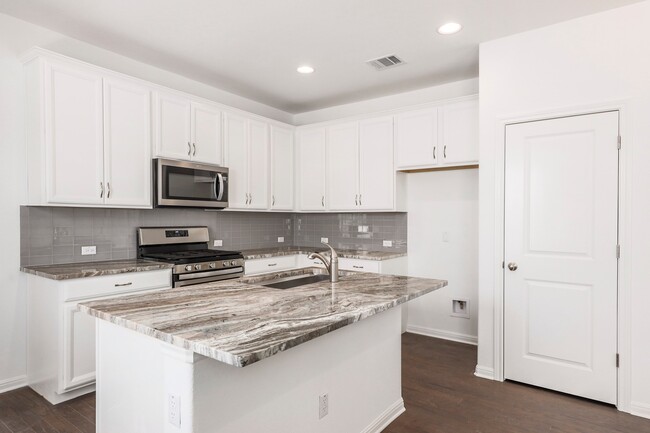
pixel 252 47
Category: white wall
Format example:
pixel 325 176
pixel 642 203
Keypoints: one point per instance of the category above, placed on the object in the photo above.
pixel 444 202
pixel 16 37
pixel 570 67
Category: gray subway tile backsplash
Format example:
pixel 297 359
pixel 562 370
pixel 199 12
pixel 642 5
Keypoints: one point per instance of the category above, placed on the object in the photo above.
pixel 53 235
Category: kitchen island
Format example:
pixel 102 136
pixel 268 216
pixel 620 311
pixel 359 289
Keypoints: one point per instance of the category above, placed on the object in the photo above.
pixel 215 358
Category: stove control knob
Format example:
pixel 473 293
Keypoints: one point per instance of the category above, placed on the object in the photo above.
pixel 212 265
pixel 188 267
pixel 197 267
pixel 233 263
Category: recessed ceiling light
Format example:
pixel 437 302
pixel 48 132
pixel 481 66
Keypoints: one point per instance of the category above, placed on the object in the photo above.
pixel 449 28
pixel 305 69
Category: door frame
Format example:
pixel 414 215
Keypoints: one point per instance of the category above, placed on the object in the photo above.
pixel 624 236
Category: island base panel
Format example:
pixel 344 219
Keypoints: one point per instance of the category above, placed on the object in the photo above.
pixel 357 366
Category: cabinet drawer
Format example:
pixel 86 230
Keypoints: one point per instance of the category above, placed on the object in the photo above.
pixel 272 264
pixel 359 265
pixel 105 285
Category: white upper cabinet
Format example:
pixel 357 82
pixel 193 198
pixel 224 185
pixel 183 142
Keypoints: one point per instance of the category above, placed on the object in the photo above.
pixel 343 166
pixel 460 132
pixel 73 135
pixel 438 137
pixel 281 169
pixel 127 143
pixel 311 169
pixel 247 158
pixel 376 168
pixel 187 130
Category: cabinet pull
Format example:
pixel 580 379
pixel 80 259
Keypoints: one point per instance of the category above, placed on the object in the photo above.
pixel 108 190
pixel 360 204
pixel 357 267
pixel 123 284
pixel 444 151
pixel 273 200
pixel 194 149
pixel 272 264
pixel 101 189
pixel 434 153
pixel 356 199
pixel 250 198
pixel 189 149
pixel 322 201
pixel 247 198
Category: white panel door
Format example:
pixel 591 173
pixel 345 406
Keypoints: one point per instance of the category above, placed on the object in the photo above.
pixel 236 149
pixel 127 143
pixel 281 168
pixel 311 169
pixel 206 134
pixel 74 137
pixel 561 234
pixel 343 166
pixel 258 157
pixel 78 348
pixel 417 138
pixel 376 172
pixel 460 132
pixel 173 126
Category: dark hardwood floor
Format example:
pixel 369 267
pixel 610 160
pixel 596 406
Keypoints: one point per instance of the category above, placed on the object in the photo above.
pixel 440 392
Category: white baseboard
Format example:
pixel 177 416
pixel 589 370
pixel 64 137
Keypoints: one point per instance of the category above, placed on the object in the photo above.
pixel 484 372
pixel 640 409
pixel 389 415
pixel 12 383
pixel 445 335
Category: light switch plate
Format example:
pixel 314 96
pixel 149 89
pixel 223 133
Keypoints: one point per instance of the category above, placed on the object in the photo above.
pixel 89 250
pixel 388 243
pixel 326 240
pixel 218 243
pixel 280 238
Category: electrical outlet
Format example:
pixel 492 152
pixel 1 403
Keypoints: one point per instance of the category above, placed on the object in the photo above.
pixel 388 243
pixel 323 406
pixel 89 251
pixel 174 408
pixel 280 239
pixel 326 240
pixel 217 243
pixel 460 308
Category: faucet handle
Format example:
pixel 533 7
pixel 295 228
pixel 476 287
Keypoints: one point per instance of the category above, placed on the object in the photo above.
pixel 332 250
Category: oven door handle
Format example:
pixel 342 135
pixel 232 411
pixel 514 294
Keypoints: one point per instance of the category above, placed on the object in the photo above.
pixel 197 275
pixel 219 193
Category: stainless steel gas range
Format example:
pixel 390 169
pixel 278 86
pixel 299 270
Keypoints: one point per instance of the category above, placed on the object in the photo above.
pixel 187 248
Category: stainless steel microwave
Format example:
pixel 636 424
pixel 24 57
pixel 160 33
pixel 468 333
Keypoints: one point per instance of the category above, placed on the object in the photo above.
pixel 189 184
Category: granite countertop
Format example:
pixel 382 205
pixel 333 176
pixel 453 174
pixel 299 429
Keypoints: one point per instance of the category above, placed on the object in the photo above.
pixel 239 322
pixel 94 269
pixel 264 253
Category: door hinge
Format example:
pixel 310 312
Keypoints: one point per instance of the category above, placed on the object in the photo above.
pixel 619 142
pixel 618 251
pixel 618 360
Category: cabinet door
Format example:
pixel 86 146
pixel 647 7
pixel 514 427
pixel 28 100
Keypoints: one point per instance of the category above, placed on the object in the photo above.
pixel 417 139
pixel 173 127
pixel 460 132
pixel 258 158
pixel 376 172
pixel 236 149
pixel 127 143
pixel 343 166
pixel 281 168
pixel 311 169
pixel 78 348
pixel 74 141
pixel 206 134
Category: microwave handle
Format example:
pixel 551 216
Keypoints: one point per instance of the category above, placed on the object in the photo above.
pixel 220 192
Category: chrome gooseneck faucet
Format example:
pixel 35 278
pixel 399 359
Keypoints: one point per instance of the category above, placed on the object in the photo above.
pixel 332 265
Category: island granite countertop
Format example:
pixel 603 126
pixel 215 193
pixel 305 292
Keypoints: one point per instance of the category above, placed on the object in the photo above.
pixel 239 322
pixel 70 271
pixel 264 253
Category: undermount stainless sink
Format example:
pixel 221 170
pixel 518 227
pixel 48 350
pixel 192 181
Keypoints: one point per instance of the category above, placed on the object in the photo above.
pixel 295 281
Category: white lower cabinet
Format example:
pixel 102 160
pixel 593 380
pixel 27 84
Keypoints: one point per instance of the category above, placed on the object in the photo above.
pixel 61 338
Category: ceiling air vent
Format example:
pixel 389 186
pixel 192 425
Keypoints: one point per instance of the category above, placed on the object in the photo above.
pixel 385 62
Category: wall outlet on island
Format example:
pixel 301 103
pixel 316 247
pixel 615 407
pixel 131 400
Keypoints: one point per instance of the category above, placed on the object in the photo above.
pixel 280 239
pixel 326 240
pixel 323 406
pixel 388 243
pixel 89 251
pixel 218 243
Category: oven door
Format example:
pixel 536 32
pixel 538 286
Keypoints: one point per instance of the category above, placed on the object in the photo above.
pixel 187 184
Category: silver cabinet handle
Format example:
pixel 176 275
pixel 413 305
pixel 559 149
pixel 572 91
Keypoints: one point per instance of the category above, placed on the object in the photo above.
pixel 246 198
pixel 512 266
pixel 189 149
pixel 194 147
pixel 101 189
pixel 322 201
pixel 272 264
pixel 360 204
pixel 357 267
pixel 356 199
pixel 444 151
pixel 434 153
pixel 273 200
pixel 108 190
pixel 250 198
pixel 123 284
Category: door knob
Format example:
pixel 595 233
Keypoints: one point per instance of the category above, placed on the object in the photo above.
pixel 512 266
